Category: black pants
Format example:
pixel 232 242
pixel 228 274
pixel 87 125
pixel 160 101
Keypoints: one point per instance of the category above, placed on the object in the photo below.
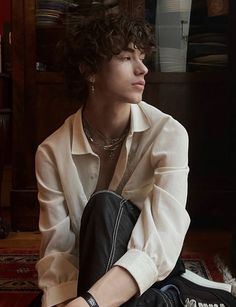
pixel 106 226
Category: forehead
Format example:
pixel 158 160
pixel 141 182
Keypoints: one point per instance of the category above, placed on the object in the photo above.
pixel 133 48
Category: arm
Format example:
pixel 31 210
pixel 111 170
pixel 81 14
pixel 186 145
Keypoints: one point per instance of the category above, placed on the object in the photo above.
pixel 57 269
pixel 115 288
pixel 158 236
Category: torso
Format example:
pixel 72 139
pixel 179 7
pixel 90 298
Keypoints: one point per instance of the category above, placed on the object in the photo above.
pixel 108 151
pixel 107 166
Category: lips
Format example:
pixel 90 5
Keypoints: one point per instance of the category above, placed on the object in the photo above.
pixel 140 82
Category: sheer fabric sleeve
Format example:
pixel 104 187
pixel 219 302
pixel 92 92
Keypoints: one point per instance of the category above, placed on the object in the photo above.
pixel 57 269
pixel 158 235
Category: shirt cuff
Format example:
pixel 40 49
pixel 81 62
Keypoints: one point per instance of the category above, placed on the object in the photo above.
pixel 59 294
pixel 141 267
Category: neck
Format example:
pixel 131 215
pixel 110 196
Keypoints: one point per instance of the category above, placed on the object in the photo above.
pixel 111 120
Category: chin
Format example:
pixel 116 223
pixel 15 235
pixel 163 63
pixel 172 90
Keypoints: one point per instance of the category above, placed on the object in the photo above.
pixel 135 99
pixel 131 98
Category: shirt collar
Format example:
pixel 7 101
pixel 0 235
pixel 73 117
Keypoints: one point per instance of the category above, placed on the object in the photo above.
pixel 80 145
pixel 139 121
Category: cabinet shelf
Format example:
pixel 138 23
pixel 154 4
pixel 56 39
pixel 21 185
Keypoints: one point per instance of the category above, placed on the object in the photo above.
pixel 189 77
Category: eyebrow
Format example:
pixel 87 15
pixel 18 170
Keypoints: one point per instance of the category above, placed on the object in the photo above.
pixel 132 50
pixel 129 49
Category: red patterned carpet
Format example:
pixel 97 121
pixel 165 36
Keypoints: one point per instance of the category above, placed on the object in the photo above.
pixel 18 277
pixel 203 265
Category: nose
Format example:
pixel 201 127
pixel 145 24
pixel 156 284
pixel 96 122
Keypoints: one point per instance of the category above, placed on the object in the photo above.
pixel 141 68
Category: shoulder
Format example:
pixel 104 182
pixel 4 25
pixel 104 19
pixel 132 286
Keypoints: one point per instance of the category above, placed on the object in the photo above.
pixel 169 138
pixel 60 138
pixel 162 122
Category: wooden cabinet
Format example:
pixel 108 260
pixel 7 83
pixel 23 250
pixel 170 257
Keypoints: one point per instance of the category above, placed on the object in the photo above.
pixel 5 129
pixel 204 102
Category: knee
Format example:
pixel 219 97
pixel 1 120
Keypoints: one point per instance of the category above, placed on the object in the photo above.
pixel 105 201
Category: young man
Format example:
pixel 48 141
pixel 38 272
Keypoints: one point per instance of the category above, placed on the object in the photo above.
pixel 113 180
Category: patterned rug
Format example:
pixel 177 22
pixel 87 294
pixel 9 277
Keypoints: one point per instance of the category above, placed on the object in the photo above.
pixel 18 277
pixel 204 265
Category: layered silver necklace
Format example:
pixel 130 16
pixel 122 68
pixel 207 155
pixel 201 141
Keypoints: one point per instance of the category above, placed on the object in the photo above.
pixel 109 145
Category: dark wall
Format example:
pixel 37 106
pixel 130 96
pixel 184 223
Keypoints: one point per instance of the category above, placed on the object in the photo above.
pixel 5 13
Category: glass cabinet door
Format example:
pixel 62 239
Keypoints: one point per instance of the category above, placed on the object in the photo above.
pixel 52 20
pixel 191 34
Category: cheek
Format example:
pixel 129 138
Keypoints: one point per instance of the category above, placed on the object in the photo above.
pixel 115 82
pixel 115 78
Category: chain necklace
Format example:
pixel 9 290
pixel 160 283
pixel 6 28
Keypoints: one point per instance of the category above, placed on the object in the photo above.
pixel 109 145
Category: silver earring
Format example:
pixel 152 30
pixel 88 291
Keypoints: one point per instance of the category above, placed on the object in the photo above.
pixel 91 80
pixel 92 88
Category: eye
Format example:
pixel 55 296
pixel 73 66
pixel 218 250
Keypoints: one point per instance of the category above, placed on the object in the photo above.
pixel 125 58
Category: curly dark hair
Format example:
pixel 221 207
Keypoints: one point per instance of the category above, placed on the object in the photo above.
pixel 93 40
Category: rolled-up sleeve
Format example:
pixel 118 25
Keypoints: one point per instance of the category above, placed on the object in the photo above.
pixel 57 267
pixel 159 233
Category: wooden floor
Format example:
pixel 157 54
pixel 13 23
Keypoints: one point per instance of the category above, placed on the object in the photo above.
pixel 21 240
pixel 204 241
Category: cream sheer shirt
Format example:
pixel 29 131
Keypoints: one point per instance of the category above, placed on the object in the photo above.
pixel 151 171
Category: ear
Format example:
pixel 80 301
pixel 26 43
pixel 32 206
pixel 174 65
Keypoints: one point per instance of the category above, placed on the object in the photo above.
pixel 84 71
